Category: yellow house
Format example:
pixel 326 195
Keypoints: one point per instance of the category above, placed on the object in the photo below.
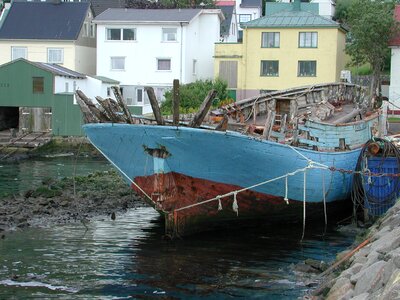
pixel 288 49
pixel 50 32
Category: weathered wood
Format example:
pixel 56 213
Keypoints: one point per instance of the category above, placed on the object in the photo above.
pixel 175 102
pixel 88 108
pixel 122 104
pixel 348 117
pixel 268 125
pixel 223 125
pixel 202 112
pixel 154 105
pixel 110 109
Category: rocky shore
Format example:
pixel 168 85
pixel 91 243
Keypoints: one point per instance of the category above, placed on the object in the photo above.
pixel 371 270
pixel 68 200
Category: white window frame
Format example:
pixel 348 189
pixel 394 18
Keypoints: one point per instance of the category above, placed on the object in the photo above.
pixel 246 17
pixel 15 48
pixel 169 34
pixel 164 59
pixel 113 60
pixel 51 60
pixel 308 39
pixel 270 39
pixel 121 34
pixel 141 92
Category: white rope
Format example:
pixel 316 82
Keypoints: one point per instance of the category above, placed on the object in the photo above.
pixel 304 203
pixel 122 172
pixel 235 206
pixel 219 203
pixel 324 198
pixel 307 159
pixel 286 191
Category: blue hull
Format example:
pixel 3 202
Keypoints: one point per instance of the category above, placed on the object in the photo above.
pixel 224 157
pixel 178 167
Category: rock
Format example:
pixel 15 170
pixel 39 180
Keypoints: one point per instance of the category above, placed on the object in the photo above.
pixel 392 288
pixel 369 279
pixel 363 296
pixel 388 242
pixel 354 269
pixel 341 288
pixel 305 268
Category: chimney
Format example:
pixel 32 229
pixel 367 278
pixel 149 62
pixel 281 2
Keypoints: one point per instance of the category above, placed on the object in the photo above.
pixel 296 5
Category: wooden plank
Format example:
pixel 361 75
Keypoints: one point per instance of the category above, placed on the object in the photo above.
pixel 154 105
pixel 176 99
pixel 122 104
pixel 203 110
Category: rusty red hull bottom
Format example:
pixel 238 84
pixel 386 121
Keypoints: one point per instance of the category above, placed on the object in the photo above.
pixel 176 197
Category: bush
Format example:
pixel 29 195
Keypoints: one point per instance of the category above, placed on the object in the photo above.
pixel 193 94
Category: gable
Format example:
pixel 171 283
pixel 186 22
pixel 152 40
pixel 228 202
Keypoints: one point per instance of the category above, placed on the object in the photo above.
pixel 44 20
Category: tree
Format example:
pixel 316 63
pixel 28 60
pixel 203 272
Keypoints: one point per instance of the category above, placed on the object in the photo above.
pixel 193 94
pixel 371 27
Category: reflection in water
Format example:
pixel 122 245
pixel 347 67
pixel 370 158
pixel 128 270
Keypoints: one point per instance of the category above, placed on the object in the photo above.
pixel 127 258
pixel 22 175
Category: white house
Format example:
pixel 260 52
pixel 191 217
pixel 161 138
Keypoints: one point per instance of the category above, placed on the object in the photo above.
pixel 152 47
pixel 394 88
pixel 247 10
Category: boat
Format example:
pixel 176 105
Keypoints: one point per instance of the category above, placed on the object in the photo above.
pixel 284 156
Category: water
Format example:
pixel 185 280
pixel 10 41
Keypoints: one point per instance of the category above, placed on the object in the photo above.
pixel 128 259
pixel 22 175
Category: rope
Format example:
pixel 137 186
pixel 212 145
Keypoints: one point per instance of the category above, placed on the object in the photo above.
pixel 241 190
pixel 304 203
pixel 286 191
pixel 324 199
pixel 235 206
pixel 122 172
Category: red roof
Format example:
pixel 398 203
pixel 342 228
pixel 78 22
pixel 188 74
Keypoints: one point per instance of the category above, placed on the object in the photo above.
pixel 225 3
pixel 395 41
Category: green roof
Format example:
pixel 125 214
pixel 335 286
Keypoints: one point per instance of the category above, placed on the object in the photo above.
pixel 291 19
pixel 106 79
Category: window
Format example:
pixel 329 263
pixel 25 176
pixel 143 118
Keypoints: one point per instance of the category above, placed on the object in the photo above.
pixel 113 34
pixel 38 85
pixel 307 68
pixel 55 55
pixel 139 95
pixel 308 39
pixel 92 30
pixel 74 86
pixel 19 52
pixel 118 34
pixel 118 63
pixel 66 87
pixel 85 30
pixel 129 34
pixel 169 34
pixel 269 68
pixel 244 18
pixel 163 64
pixel 270 40
pixel 108 91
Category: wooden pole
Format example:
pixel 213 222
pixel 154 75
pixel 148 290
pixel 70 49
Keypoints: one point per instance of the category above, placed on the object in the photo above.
pixel 202 112
pixel 176 102
pixel 122 104
pixel 154 105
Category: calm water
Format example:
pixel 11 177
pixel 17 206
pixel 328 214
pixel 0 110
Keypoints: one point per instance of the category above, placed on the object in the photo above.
pixel 127 258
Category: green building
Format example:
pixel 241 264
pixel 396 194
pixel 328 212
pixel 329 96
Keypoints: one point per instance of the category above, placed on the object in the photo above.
pixel 39 97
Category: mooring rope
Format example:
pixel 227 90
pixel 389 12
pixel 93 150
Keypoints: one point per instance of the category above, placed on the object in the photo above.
pixel 304 203
pixel 122 172
pixel 309 166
